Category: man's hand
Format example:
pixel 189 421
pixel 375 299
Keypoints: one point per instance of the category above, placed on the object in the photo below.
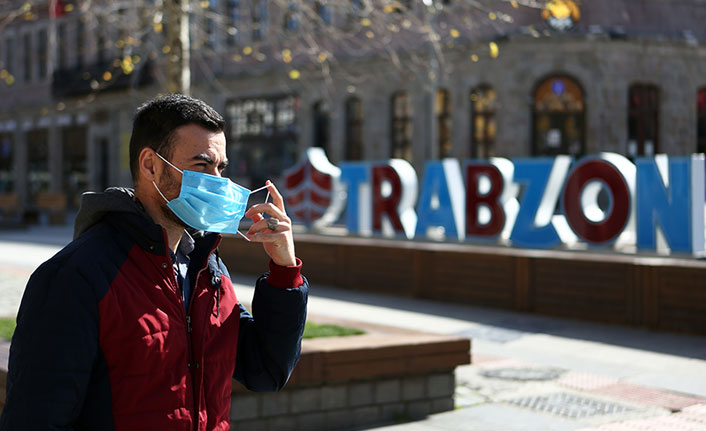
pixel 278 243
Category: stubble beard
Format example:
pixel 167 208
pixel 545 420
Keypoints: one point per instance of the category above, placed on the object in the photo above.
pixel 171 189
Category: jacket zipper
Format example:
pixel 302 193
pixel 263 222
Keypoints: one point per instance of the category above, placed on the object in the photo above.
pixel 192 365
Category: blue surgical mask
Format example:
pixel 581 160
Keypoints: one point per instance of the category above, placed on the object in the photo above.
pixel 208 202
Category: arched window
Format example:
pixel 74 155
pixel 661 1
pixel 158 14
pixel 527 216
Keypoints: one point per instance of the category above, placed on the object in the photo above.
pixel 321 125
pixel 401 126
pixel 443 122
pixel 558 125
pixel 643 120
pixel 484 102
pixel 701 121
pixel 354 129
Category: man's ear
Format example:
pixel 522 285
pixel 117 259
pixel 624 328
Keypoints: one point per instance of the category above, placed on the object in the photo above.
pixel 147 164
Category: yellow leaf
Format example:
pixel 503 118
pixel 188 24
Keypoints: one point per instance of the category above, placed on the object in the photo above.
pixel 294 74
pixel 454 33
pixel 494 51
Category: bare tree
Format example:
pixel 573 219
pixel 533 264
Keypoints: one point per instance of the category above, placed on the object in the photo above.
pixel 290 35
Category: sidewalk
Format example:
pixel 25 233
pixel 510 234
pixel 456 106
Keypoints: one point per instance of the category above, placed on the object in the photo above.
pixel 529 372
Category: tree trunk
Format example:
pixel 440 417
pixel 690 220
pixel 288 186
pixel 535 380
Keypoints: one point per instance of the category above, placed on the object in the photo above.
pixel 178 69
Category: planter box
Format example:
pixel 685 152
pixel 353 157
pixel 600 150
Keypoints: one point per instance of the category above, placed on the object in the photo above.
pixel 383 376
pixel 665 293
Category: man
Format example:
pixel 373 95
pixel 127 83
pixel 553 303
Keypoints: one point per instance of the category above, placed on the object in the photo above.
pixel 135 324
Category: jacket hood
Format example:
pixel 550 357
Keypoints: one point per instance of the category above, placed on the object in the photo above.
pixel 96 205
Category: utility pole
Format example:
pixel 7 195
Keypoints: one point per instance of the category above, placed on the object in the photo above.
pixel 178 55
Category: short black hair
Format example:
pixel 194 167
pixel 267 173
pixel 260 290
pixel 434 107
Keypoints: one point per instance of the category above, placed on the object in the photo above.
pixel 155 122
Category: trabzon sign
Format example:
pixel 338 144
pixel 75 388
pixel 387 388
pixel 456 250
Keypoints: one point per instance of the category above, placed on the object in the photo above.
pixel 533 202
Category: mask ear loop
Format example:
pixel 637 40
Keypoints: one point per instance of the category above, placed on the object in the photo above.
pixel 253 191
pixel 155 184
pixel 169 163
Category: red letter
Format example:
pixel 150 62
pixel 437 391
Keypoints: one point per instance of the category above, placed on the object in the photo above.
pixel 490 200
pixel 614 222
pixel 386 205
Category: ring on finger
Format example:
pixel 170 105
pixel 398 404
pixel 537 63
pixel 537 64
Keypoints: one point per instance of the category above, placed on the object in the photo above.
pixel 272 223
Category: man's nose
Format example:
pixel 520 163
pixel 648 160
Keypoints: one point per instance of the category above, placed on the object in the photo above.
pixel 213 171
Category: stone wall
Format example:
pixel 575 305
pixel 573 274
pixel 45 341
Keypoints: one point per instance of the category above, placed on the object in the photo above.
pixel 337 406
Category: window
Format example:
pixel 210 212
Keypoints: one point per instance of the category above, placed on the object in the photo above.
pixel 484 102
pixel 38 177
pixel 558 126
pixel 262 138
pixel 6 166
pixel 233 14
pixel 643 116
pixel 75 164
pixel 80 43
pixel 42 53
pixel 443 122
pixel 323 11
pixel 62 60
pixel 27 56
pixel 291 17
pixel 701 121
pixel 354 12
pixel 321 125
pixel 101 43
pixel 210 27
pixel 10 56
pixel 259 19
pixel 354 129
pixel 401 126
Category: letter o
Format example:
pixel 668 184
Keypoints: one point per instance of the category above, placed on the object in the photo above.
pixel 614 222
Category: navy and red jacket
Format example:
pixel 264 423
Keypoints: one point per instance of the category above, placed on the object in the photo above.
pixel 103 340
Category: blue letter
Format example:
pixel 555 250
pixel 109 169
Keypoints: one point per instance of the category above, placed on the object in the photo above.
pixel 677 206
pixel 441 200
pixel 357 176
pixel 542 179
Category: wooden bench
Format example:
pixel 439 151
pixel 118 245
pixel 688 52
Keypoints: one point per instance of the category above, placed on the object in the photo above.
pixel 54 204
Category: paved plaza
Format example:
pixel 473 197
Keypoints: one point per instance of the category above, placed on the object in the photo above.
pixel 529 372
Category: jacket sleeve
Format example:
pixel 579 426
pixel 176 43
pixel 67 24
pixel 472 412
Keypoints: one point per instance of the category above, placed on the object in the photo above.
pixel 269 343
pixel 52 352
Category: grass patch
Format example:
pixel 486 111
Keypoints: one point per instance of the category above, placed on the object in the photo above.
pixel 7 327
pixel 312 330
pixel 315 330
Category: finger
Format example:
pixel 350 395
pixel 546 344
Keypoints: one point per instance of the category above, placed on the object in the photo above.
pixel 255 217
pixel 261 226
pixel 266 237
pixel 267 208
pixel 276 196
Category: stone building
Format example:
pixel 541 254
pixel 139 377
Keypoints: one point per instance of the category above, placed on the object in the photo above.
pixel 499 78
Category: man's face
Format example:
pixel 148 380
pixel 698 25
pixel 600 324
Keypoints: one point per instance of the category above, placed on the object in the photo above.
pixel 194 149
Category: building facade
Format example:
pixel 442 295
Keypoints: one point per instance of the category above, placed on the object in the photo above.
pixel 513 79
